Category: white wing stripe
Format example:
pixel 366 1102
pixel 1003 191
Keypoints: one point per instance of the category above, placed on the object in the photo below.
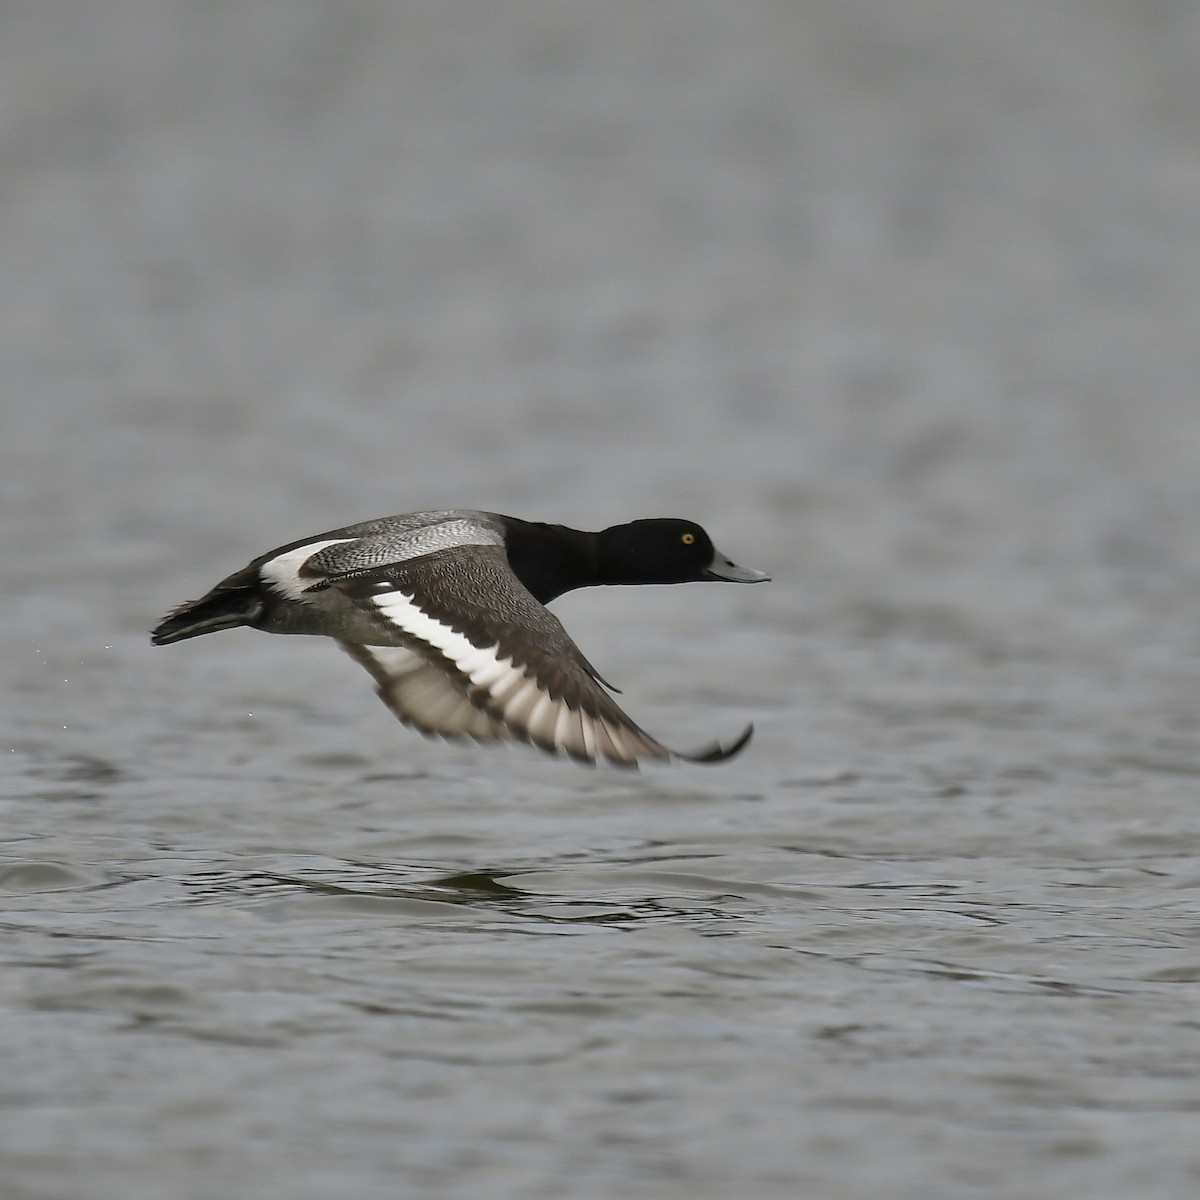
pixel 482 665
pixel 515 698
pixel 488 676
pixel 481 661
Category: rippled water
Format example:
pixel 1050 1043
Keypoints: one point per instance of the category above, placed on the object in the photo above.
pixel 900 302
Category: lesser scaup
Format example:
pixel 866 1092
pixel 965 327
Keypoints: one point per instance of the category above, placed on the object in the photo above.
pixel 446 611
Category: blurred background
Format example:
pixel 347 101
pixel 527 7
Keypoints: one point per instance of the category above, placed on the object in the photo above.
pixel 862 286
pixel 899 300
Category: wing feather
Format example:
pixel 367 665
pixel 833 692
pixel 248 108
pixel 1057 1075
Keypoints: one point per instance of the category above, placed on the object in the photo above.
pixel 466 650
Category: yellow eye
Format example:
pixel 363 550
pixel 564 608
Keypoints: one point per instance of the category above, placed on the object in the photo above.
pixel 688 538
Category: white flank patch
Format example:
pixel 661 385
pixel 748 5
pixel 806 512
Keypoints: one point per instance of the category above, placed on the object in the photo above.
pixel 283 571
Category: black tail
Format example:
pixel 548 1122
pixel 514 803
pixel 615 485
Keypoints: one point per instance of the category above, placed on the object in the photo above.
pixel 225 607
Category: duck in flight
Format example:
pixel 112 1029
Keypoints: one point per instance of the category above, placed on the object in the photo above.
pixel 446 610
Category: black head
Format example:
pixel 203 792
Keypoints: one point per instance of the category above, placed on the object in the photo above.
pixel 664 550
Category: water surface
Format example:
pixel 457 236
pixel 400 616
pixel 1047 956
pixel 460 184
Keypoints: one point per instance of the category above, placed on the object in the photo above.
pixel 899 301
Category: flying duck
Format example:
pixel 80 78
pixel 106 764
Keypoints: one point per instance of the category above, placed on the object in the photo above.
pixel 446 610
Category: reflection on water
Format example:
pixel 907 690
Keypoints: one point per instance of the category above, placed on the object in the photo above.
pixel 351 883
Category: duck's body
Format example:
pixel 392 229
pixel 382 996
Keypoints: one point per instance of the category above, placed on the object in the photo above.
pixel 446 611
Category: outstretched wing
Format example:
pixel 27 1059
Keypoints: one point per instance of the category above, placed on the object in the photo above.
pixel 423 694
pixel 498 667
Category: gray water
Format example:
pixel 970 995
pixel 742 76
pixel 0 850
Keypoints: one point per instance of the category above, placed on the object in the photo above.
pixel 901 302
